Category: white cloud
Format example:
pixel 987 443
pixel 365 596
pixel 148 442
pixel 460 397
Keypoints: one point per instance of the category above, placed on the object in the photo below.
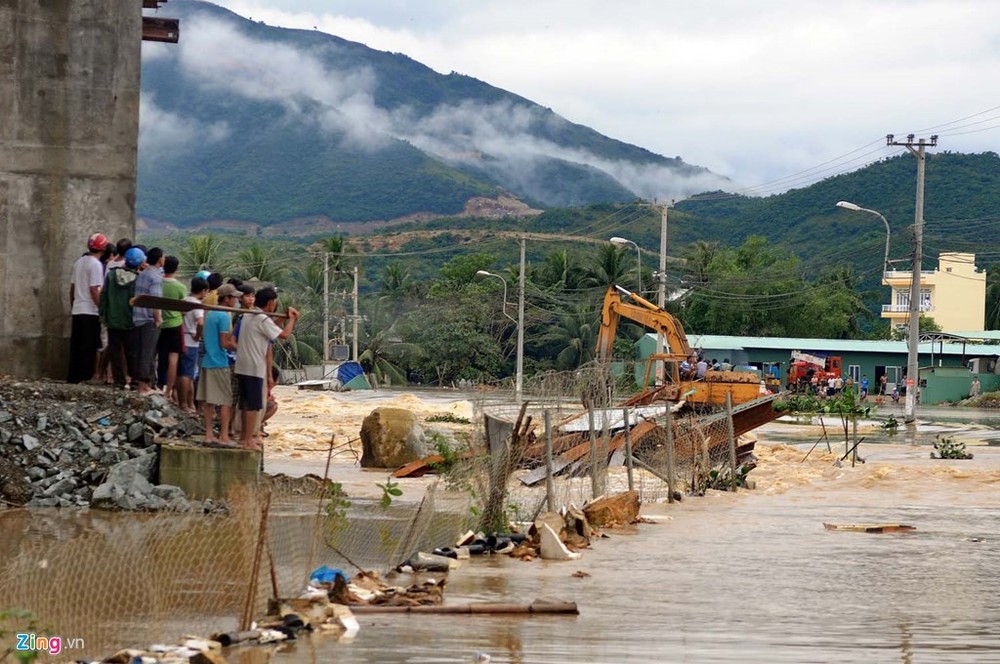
pixel 216 55
pixel 166 134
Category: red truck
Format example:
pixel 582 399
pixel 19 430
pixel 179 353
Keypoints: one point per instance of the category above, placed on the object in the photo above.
pixel 803 367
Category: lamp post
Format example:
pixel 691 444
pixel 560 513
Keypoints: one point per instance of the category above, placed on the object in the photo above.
pixel 621 241
pixel 484 273
pixel 519 375
pixel 857 208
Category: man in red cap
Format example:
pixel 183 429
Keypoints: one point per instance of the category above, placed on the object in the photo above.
pixel 84 298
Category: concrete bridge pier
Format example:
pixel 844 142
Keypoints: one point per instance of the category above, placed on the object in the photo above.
pixel 69 124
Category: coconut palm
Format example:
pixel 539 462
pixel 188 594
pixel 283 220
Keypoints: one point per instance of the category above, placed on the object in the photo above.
pixel 202 252
pixel 699 257
pixel 397 283
pixel 574 334
pixel 610 266
pixel 258 262
pixel 382 352
pixel 559 271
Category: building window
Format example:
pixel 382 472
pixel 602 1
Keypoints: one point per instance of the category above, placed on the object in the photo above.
pixel 903 299
pixel 854 371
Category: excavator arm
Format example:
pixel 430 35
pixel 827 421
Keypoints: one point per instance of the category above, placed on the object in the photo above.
pixel 645 313
pixel 714 389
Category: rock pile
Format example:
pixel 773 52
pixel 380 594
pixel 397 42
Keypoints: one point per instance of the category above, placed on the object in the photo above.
pixel 79 445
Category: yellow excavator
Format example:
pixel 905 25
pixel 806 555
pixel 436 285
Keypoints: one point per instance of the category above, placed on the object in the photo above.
pixel 675 384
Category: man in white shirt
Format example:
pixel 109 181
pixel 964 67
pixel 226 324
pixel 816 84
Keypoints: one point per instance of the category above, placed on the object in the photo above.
pixel 253 354
pixel 84 298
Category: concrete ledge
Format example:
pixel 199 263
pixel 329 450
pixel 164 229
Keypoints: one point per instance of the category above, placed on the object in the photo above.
pixel 204 472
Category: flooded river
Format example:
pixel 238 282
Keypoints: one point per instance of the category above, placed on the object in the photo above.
pixel 748 578
pixel 751 577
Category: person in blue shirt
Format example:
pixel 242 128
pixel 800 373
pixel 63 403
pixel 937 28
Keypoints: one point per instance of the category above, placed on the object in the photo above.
pixel 146 322
pixel 864 387
pixel 214 385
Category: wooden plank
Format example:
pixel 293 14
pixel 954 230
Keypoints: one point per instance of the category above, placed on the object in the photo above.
pixel 170 304
pixel 871 527
pixel 478 608
pixel 418 468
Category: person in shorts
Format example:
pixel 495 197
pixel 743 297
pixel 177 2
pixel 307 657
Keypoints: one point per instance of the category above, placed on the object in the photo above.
pixel 214 386
pixel 258 332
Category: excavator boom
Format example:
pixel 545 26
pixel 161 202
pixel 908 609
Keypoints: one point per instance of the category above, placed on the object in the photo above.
pixel 712 389
pixel 641 311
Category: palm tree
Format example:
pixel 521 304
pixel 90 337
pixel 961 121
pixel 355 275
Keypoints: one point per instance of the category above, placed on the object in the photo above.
pixel 559 271
pixel 256 262
pixel 202 252
pixel 611 266
pixel 381 351
pixel 699 257
pixel 396 281
pixel 575 335
pixel 310 279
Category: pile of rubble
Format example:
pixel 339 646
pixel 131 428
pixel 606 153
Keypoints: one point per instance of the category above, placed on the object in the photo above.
pixel 85 445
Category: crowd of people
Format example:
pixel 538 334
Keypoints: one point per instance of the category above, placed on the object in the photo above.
pixel 696 366
pixel 214 361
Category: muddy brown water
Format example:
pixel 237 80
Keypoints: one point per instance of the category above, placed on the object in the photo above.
pixel 752 577
pixel 755 578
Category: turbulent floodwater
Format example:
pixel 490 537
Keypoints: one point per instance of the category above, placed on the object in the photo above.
pixel 751 577
pixel 747 578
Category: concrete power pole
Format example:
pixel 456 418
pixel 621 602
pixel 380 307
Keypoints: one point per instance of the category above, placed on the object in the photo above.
pixel 354 335
pixel 519 374
pixel 326 306
pixel 917 149
pixel 661 285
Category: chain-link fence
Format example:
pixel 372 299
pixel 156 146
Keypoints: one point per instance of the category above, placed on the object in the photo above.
pixel 103 581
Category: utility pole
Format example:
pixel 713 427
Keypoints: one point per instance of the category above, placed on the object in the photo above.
pixel 354 336
pixel 326 306
pixel 661 287
pixel 519 378
pixel 917 149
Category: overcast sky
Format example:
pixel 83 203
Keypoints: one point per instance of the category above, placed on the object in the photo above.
pixel 758 91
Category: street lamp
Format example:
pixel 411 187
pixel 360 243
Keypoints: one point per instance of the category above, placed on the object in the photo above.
pixel 484 273
pixel 519 376
pixel 913 340
pixel 857 208
pixel 621 241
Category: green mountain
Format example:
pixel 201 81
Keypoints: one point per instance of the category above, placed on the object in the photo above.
pixel 245 122
pixel 961 207
pixel 961 213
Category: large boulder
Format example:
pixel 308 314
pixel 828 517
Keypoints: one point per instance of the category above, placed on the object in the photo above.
pixel 390 438
pixel 618 510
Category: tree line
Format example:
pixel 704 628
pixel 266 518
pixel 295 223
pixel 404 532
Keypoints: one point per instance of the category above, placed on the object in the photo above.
pixel 455 324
